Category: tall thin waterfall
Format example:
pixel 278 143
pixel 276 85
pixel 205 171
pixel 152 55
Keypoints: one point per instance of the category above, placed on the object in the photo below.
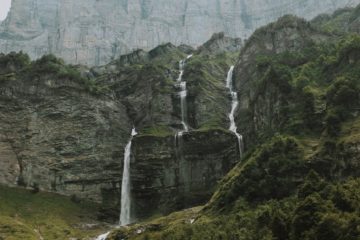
pixel 234 106
pixel 183 95
pixel 125 217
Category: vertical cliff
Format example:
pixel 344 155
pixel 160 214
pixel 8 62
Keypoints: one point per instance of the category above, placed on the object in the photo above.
pixel 94 32
pixel 64 128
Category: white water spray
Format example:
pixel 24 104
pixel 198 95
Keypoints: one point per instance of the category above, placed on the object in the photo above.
pixel 183 95
pixel 125 217
pixel 103 236
pixel 234 106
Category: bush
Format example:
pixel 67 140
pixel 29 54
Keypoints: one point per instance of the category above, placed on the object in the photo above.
pixel 307 109
pixel 343 94
pixel 333 123
pixel 13 62
pixel 272 172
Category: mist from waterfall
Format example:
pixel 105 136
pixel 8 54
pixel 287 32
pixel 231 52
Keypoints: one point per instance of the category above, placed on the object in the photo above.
pixel 103 236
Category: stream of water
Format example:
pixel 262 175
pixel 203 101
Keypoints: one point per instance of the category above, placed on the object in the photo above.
pixel 234 106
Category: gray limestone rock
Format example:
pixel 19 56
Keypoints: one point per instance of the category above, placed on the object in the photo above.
pixel 182 172
pixel 94 32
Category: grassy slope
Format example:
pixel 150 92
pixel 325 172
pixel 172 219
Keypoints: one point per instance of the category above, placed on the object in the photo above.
pixel 27 215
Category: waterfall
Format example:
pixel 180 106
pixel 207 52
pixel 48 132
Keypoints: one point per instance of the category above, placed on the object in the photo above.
pixel 234 106
pixel 103 236
pixel 183 95
pixel 125 217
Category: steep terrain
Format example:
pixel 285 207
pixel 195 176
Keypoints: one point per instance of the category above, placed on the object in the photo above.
pixel 299 88
pixel 94 32
pixel 64 128
pixel 265 91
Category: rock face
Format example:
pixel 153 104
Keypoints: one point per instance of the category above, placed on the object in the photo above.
pixel 182 172
pixel 94 32
pixel 267 92
pixel 260 109
pixel 219 43
pixel 64 133
pixel 56 137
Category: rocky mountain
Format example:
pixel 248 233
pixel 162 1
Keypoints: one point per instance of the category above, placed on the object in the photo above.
pixel 94 32
pixel 299 89
pixel 63 130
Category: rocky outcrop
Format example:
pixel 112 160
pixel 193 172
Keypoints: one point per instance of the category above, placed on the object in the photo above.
pixel 95 32
pixel 57 137
pixel 65 132
pixel 260 106
pixel 219 43
pixel 181 172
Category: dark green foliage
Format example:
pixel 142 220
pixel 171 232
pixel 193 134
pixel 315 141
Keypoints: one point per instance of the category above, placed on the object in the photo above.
pixel 332 123
pixel 272 172
pixel 18 65
pixel 317 87
pixel 313 183
pixel 307 215
pixel 349 47
pixel 48 64
pixel 13 61
pixel 302 182
pixel 328 214
pixel 343 95
pixel 316 215
pixel 11 64
pixel 308 109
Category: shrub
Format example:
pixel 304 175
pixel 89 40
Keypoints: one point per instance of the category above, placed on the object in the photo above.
pixel 344 94
pixel 13 62
pixel 271 173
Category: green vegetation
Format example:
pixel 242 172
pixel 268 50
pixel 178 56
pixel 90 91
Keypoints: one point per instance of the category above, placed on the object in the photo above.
pixel 340 22
pixel 272 172
pixel 28 215
pixel 318 211
pixel 206 76
pixel 301 181
pixel 13 61
pixel 318 87
pixel 160 131
pixel 273 194
pixel 18 66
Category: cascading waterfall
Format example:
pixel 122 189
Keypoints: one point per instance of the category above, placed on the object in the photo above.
pixel 234 106
pixel 183 95
pixel 125 217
